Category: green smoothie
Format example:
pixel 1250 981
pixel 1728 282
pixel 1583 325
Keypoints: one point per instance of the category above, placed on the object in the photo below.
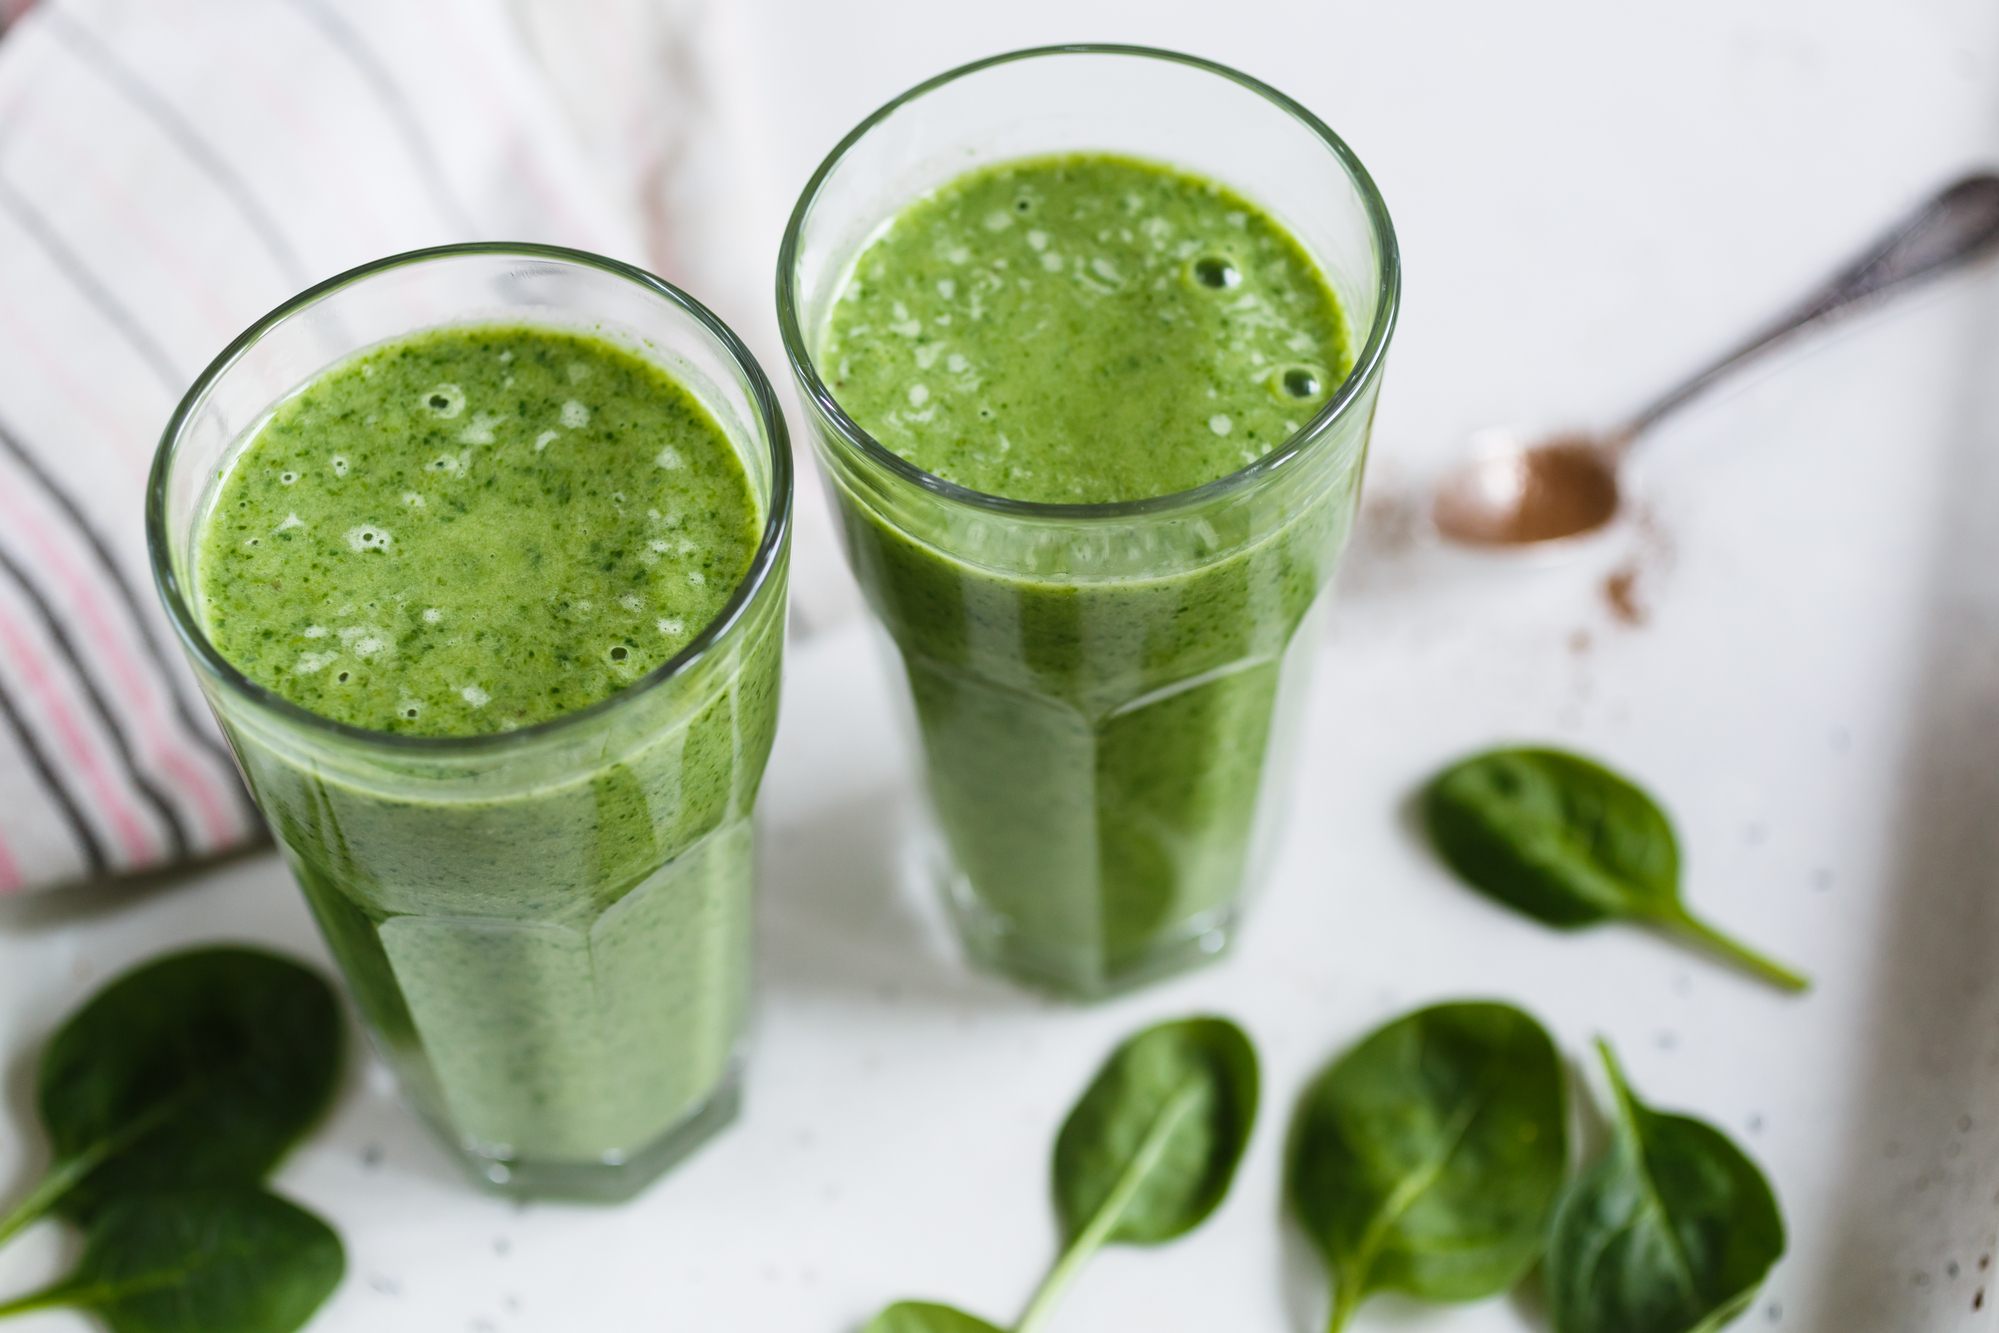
pixel 463 532
pixel 1084 330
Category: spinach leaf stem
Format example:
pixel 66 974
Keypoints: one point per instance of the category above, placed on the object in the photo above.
pixel 1698 932
pixel 1092 1237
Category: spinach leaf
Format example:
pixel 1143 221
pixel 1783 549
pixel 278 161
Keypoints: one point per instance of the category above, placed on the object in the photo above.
pixel 201 1068
pixel 923 1317
pixel 1672 1231
pixel 227 1260
pixel 1152 1146
pixel 1570 843
pixel 1428 1158
pixel 1146 1154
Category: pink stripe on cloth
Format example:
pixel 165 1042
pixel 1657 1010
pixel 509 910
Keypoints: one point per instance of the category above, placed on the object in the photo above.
pixel 80 752
pixel 139 689
pixel 10 870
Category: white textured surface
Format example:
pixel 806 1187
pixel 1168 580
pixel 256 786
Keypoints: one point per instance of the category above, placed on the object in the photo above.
pixel 1589 197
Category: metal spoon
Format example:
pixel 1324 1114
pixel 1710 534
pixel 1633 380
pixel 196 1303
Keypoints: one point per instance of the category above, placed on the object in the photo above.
pixel 1513 492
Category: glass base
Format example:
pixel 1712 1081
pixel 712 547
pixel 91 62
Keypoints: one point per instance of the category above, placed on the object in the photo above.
pixel 618 1176
pixel 992 945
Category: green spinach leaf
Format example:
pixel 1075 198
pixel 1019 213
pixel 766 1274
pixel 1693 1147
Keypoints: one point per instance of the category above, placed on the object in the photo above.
pixel 924 1317
pixel 201 1068
pixel 199 1261
pixel 1428 1158
pixel 1570 843
pixel 1146 1154
pixel 1150 1149
pixel 1672 1231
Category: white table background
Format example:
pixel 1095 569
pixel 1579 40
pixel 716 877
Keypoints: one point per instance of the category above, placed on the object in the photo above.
pixel 1589 198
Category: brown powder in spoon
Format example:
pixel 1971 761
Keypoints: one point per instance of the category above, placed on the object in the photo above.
pixel 1556 489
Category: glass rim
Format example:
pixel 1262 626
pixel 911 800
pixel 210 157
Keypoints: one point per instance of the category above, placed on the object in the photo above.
pixel 1366 366
pixel 763 562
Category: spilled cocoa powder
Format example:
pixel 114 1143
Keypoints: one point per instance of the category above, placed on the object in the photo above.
pixel 1620 595
pixel 1624 589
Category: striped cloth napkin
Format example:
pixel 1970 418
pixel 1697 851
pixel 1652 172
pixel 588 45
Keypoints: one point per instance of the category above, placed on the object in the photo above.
pixel 169 171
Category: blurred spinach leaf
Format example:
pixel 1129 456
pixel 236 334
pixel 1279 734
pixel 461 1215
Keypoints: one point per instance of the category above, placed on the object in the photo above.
pixel 1672 1231
pixel 229 1260
pixel 200 1068
pixel 1570 843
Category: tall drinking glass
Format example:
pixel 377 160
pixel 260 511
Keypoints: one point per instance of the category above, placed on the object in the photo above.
pixel 1106 695
pixel 547 930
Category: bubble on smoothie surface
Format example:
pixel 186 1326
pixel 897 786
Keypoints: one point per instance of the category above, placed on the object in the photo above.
pixel 367 537
pixel 315 631
pixel 1220 424
pixel 670 459
pixel 575 415
pixel 413 500
pixel 672 625
pixel 444 400
pixel 1217 273
pixel 475 696
pixel 1295 382
pixel 432 615
pixel 543 440
pixel 287 478
pixel 339 466
pixel 308 663
pixel 619 653
pixel 292 520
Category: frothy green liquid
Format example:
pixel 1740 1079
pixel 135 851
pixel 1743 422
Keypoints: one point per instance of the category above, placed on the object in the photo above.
pixel 1084 330
pixel 474 529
